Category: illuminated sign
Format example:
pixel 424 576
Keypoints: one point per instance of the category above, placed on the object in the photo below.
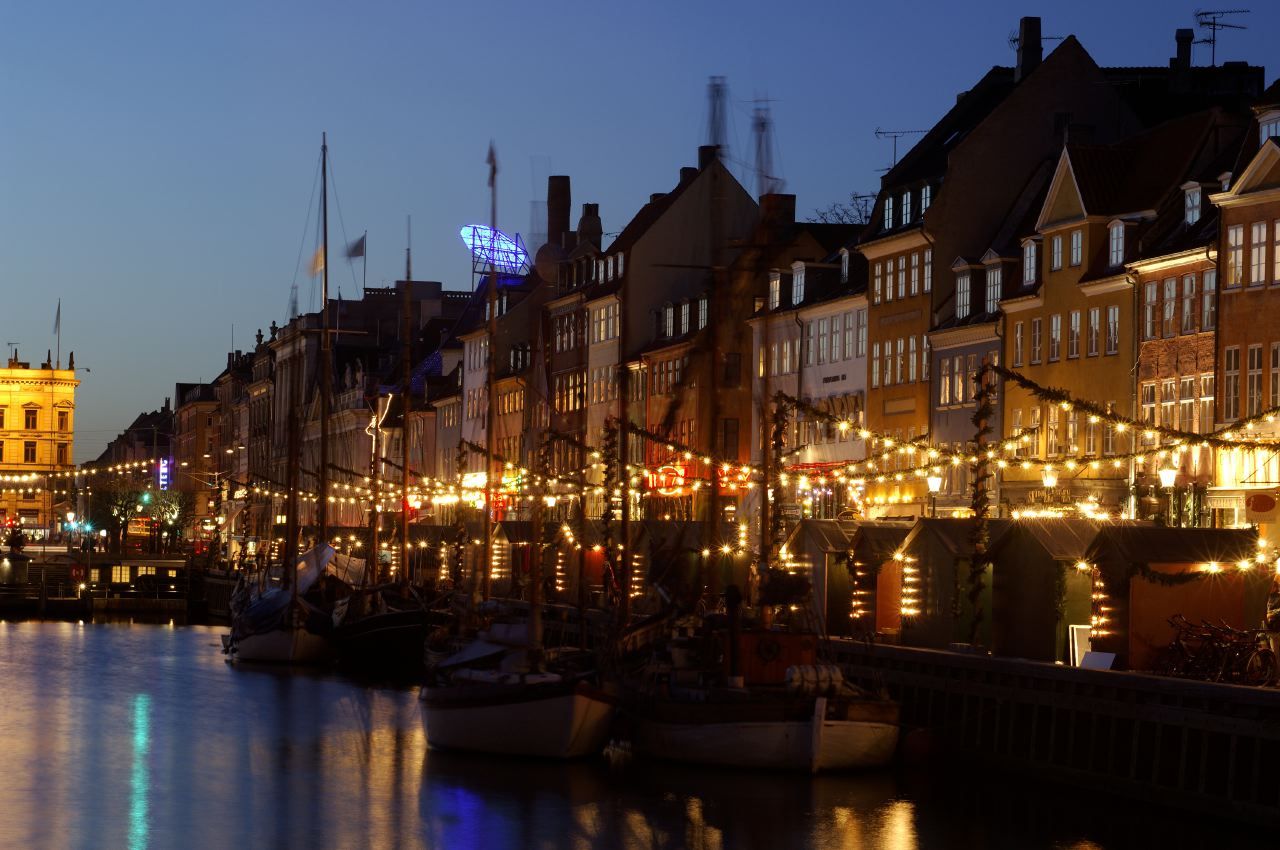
pixel 162 473
pixel 667 480
pixel 493 247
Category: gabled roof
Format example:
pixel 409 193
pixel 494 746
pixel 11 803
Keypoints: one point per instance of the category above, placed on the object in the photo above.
pixel 1062 539
pixel 1151 544
pixel 875 542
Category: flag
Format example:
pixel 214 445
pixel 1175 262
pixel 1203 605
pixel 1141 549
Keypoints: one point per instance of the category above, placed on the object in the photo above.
pixel 492 161
pixel 57 318
pixel 356 248
pixel 317 262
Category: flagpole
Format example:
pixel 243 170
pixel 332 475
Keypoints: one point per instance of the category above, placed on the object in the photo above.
pixel 57 329
pixel 364 261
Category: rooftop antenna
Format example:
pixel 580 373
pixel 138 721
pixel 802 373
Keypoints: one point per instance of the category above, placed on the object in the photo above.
pixel 717 95
pixel 1014 39
pixel 13 350
pixel 1212 20
pixel 895 135
pixel 762 129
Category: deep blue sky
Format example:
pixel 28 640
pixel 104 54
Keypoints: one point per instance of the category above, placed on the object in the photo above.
pixel 157 158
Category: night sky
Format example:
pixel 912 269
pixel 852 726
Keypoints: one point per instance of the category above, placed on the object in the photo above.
pixel 157 160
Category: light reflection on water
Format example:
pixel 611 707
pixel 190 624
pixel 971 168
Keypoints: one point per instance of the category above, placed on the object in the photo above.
pixel 143 737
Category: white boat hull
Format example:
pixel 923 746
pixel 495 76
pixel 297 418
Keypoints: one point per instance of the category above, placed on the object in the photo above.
pixel 556 724
pixel 812 745
pixel 283 646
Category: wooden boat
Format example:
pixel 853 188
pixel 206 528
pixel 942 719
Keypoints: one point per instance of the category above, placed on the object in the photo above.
pixel 769 728
pixel 273 623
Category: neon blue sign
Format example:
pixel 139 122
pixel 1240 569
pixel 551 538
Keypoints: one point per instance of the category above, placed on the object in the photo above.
pixel 162 473
pixel 493 247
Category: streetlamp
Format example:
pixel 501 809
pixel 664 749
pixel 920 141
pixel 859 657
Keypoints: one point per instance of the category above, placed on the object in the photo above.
pixel 935 484
pixel 1049 477
pixel 1168 476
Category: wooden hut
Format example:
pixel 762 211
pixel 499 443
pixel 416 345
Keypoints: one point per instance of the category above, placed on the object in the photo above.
pixel 872 546
pixel 820 549
pixel 1037 592
pixel 1143 575
pixel 932 570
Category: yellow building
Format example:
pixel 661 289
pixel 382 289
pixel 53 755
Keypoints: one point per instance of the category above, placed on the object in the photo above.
pixel 37 432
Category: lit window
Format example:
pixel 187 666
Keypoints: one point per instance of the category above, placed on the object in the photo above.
pixel 888 212
pixel 1028 263
pixel 1116 250
pixel 902 277
pixel 962 295
pixel 1055 253
pixel 1095 320
pixel 1055 336
pixel 702 312
pixel 797 283
pixel 928 264
pixel 1258 253
pixel 844 266
pixel 1235 255
pixel 775 290
pixel 915 274
pixel 1077 247
pixel 1188 304
pixel 1209 301
pixel 944 381
pixel 1035 340
pixel 906 208
pixel 1170 311
pixel 926 197
pixel 993 289
pixel 1073 334
pixel 1191 205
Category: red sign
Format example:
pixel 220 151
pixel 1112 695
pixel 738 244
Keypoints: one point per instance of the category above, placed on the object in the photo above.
pixel 667 480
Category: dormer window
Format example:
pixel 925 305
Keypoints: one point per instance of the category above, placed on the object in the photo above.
pixel 608 266
pixel 669 320
pixel 1028 263
pixel 1115 253
pixel 620 265
pixel 962 295
pixel 994 284
pixel 906 207
pixel 775 290
pixel 1268 127
pixel 926 197
pixel 1191 204
pixel 844 265
pixel 684 318
pixel 702 312
pixel 888 212
pixel 797 283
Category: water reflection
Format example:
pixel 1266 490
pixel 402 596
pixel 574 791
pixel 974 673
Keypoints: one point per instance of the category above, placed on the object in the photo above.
pixel 143 737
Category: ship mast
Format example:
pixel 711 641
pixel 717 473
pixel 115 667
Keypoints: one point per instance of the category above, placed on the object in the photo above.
pixel 326 376
pixel 491 374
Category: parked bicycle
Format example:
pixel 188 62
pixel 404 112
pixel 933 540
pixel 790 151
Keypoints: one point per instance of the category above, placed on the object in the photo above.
pixel 1217 653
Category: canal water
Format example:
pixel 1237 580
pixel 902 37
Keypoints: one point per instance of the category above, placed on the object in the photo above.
pixel 142 736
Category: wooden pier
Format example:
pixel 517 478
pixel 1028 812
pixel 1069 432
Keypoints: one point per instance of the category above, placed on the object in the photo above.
pixel 1193 745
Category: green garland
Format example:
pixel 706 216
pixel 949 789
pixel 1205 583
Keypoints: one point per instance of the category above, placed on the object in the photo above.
pixel 980 501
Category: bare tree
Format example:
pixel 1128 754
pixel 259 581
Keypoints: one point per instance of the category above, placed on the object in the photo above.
pixel 856 211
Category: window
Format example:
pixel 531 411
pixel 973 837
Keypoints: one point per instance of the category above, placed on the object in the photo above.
pixel 902 277
pixel 959 387
pixel 1109 434
pixel 1055 337
pixel 1258 253
pixel 1187 404
pixel 809 343
pixel 1034 427
pixel 797 284
pixel 120 574
pixel 619 257
pixel 1073 334
pixel 1017 344
pixel 1274 400
pixel 928 264
pixel 911 359
pixel 899 372
pixel 875 364
pixel 1191 205
pixel 1 451
pixel 1206 403
pixel 906 207
pixel 1253 387
pixel 862 333
pixel 684 318
pixel 1028 263
pixel 1209 301
pixel 669 320
pixel 1268 128
pixel 1055 439
pixel 1035 340
pixel 944 381
pixel 702 312
pixel 888 212
pixel 1168 403
pixel 971 377
pixel 1115 255
pixel 1113 330
pixel 1147 396
pixel 1077 247
pixel 1091 436
pixel 608 265
pixel 1235 255
pixel 824 339
pixel 1188 304
pixel 1055 253
pixel 1095 321
pixel 1 417
pixel 775 288
pixel 836 353
pixel 64 420
pixel 915 274
pixel 1275 253
pixel 993 289
pixel 1170 306
pixel 924 358
pixel 962 295
pixel 29 451
pixel 29 418
pixel 1231 377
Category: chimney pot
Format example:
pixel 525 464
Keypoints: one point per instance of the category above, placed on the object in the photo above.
pixel 558 204
pixel 1030 48
pixel 707 154
pixel 687 173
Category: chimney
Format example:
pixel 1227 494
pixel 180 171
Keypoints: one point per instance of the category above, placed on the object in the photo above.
pixel 589 227
pixel 778 210
pixel 1030 50
pixel 707 154
pixel 687 173
pixel 557 208
pixel 1183 37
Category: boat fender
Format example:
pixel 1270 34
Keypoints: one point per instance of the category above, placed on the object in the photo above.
pixel 768 649
pixel 814 679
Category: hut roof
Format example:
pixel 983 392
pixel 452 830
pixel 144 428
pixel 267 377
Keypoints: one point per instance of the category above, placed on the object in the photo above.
pixel 1062 539
pixel 1153 544
pixel 875 542
pixel 829 535
pixel 955 535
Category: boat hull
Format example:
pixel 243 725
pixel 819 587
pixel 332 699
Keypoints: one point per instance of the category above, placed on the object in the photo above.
pixel 810 744
pixel 385 642
pixel 556 723
pixel 283 646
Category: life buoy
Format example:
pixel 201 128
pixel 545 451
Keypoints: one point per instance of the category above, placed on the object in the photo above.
pixel 768 649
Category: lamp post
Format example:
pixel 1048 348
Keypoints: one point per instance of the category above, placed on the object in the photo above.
pixel 935 484
pixel 1168 476
pixel 1049 477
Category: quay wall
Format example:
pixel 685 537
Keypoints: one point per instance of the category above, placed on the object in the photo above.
pixel 1197 745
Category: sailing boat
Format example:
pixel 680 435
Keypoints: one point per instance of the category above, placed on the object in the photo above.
pixel 504 692
pixel 276 623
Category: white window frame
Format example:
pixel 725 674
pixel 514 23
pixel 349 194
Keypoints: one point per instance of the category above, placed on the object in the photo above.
pixel 962 295
pixel 1115 244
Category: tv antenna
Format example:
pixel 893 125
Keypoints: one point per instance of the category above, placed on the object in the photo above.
pixel 13 350
pixel 1212 20
pixel 762 129
pixel 895 135
pixel 1014 39
pixel 718 96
